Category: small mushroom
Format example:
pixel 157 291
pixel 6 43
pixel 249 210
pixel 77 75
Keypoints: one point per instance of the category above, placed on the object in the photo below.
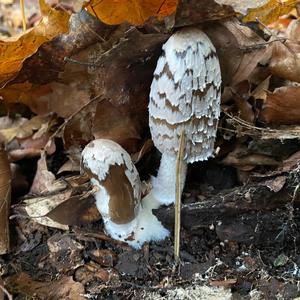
pixel 185 95
pixel 119 197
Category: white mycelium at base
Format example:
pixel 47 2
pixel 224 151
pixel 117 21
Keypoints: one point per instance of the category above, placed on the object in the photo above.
pixel 165 181
pixel 144 228
pixel 185 95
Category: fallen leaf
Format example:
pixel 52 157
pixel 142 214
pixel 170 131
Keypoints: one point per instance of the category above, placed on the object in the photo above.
pixel 63 288
pixel 132 11
pixel 65 253
pixel 270 11
pixel 240 95
pixel 191 12
pixel 124 82
pixel 260 92
pixel 25 129
pixel 115 123
pixel 225 283
pixel 43 181
pixel 30 147
pixel 76 210
pixel 104 257
pixel 276 184
pixel 239 49
pixel 16 49
pixel 282 107
pixel 5 189
pixel 38 208
pixel 241 159
pixel 243 6
pixel 285 60
pixel 28 94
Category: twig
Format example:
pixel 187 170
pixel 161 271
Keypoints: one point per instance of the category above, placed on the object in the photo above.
pixel 5 291
pixel 23 14
pixel 178 197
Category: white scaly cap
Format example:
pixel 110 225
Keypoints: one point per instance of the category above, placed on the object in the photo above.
pixel 118 199
pixel 185 95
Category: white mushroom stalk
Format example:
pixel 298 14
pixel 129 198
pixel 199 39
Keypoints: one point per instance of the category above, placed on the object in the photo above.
pixel 185 95
pixel 119 197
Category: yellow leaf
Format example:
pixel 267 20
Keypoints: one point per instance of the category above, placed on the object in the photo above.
pixel 16 49
pixel 136 12
pixel 271 11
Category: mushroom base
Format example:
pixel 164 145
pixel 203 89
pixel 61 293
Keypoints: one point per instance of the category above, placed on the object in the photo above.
pixel 144 228
pixel 164 184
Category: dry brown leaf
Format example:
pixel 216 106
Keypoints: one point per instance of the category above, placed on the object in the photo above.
pixel 16 49
pixel 270 11
pixel 65 253
pixel 43 182
pixel 115 123
pixel 191 12
pixel 30 147
pixel 124 81
pixel 26 129
pixel 241 94
pixel 241 159
pixel 28 94
pixel 282 107
pixel 285 61
pixel 225 283
pixel 71 202
pixel 76 210
pixel 243 6
pixel 5 189
pixel 260 92
pixel 132 11
pixel 237 48
pixel 276 184
pixel 63 288
pixel 38 208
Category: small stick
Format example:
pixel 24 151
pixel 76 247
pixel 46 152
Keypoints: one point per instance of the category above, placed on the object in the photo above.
pixel 23 14
pixel 178 197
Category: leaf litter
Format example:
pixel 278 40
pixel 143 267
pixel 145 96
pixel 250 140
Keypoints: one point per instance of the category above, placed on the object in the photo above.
pixel 79 78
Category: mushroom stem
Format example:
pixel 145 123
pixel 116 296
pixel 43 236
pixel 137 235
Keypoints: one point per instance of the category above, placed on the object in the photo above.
pixel 164 184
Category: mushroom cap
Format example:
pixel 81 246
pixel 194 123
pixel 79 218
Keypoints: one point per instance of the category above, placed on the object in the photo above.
pixel 185 95
pixel 112 169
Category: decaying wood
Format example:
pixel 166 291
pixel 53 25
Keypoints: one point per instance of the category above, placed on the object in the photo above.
pixel 258 212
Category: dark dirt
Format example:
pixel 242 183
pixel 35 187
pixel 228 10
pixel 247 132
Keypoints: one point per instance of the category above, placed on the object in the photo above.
pixel 224 255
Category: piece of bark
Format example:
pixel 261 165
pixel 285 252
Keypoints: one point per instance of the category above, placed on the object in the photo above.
pixel 5 188
pixel 254 213
pixel 282 107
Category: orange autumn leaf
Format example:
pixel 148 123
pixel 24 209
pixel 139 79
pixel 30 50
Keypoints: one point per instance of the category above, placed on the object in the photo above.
pixel 15 50
pixel 136 12
pixel 271 11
